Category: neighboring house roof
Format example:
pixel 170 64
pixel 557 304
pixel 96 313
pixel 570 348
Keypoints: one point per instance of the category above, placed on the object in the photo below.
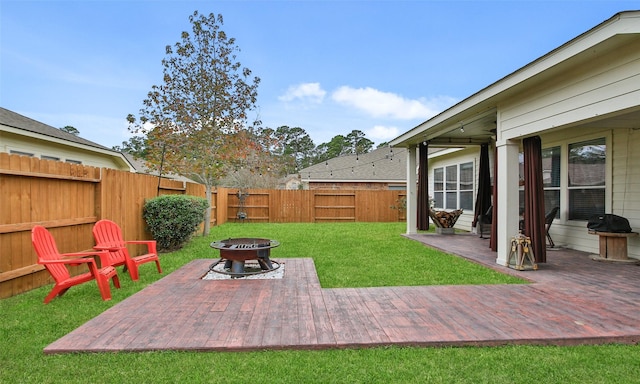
pixel 15 123
pixel 141 167
pixel 16 120
pixel 380 165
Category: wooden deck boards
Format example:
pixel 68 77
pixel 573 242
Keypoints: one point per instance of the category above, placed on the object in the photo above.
pixel 571 300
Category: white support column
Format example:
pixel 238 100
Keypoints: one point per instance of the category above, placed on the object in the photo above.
pixel 508 215
pixel 412 192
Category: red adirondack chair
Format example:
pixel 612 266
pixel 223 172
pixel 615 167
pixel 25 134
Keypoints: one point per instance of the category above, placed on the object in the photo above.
pixel 56 263
pixel 108 237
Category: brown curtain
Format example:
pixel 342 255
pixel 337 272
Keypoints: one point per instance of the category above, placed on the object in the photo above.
pixel 483 199
pixel 534 197
pixel 493 240
pixel 423 188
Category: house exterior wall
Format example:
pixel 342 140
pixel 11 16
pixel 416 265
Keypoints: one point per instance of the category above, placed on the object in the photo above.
pixel 622 185
pixel 573 233
pixel 604 85
pixel 626 181
pixel 44 149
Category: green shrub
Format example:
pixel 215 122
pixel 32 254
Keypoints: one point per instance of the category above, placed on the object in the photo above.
pixel 172 219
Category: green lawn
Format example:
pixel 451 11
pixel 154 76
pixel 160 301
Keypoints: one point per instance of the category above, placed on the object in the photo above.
pixel 346 255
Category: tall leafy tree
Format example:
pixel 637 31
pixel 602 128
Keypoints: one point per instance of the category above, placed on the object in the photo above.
pixel 295 144
pixel 336 147
pixel 196 121
pixel 69 129
pixel 136 146
pixel 358 142
pixel 353 143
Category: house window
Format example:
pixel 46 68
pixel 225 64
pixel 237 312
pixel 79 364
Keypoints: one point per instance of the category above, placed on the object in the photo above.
pixel 438 187
pixel 586 178
pixel 551 178
pixel 74 161
pixel 453 186
pixel 466 186
pixel 21 153
pixel 45 157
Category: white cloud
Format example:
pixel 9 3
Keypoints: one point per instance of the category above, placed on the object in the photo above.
pixel 381 133
pixel 310 92
pixel 387 104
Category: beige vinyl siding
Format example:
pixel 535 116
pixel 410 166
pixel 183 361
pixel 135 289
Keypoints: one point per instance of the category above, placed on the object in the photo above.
pixel 594 89
pixel 623 187
pixel 11 142
pixel 626 181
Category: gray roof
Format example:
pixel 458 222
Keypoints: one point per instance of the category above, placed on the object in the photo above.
pixel 15 120
pixel 382 164
pixel 141 167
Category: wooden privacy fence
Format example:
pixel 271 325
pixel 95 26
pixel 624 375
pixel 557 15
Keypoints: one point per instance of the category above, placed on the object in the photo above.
pixel 69 199
pixel 308 206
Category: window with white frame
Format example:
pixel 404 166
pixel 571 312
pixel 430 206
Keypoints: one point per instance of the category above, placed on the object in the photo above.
pixel 438 187
pixel 551 177
pixel 21 153
pixel 466 186
pixel 453 186
pixel 586 176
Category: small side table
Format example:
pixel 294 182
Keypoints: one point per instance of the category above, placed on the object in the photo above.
pixel 613 246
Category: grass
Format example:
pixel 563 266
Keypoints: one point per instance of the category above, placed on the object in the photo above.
pixel 346 255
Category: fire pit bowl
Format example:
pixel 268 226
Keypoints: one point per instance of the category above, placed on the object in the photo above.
pixel 234 252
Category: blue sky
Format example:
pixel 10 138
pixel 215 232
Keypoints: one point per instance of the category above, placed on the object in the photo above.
pixel 329 67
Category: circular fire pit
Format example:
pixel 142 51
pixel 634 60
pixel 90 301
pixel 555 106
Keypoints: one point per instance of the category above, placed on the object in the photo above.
pixel 234 252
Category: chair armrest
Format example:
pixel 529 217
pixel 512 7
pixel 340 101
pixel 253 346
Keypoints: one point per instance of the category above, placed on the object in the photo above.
pixel 102 254
pixel 81 254
pixel 151 244
pixel 91 263
pixel 67 261
pixel 108 247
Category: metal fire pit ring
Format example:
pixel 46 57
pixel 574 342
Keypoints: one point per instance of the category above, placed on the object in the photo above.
pixel 235 251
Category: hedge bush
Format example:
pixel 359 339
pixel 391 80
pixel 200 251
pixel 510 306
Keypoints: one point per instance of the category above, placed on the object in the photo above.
pixel 173 219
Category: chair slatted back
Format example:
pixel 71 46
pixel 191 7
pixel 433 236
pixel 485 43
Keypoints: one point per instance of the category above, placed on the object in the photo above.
pixel 46 249
pixel 108 233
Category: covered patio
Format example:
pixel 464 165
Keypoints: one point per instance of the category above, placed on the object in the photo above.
pixel 570 300
pixel 560 132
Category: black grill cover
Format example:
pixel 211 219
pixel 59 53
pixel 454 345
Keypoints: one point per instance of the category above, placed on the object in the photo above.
pixel 609 223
